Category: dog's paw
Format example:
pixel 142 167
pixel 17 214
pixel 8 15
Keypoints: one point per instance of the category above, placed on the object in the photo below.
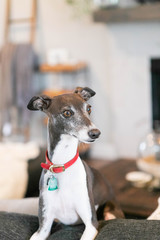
pixel 90 233
pixel 36 236
pixel 112 211
pixel 109 216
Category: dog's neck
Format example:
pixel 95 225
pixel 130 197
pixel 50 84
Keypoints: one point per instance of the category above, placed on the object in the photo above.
pixel 61 147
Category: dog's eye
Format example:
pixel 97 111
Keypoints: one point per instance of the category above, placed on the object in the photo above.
pixel 89 109
pixel 67 113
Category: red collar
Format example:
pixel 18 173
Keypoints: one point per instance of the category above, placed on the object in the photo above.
pixel 58 168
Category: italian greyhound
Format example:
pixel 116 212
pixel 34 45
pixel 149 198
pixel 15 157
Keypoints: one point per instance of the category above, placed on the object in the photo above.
pixel 70 191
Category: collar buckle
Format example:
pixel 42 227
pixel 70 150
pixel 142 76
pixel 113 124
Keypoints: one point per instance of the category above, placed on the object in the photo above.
pixel 56 166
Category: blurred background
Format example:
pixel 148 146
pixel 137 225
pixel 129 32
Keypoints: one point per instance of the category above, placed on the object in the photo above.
pixel 116 47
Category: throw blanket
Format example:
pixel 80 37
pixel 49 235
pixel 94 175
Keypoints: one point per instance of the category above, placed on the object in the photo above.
pixel 14 168
pixel 17 62
pixel 6 80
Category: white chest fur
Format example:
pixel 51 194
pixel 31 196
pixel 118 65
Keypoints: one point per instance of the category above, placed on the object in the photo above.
pixel 65 202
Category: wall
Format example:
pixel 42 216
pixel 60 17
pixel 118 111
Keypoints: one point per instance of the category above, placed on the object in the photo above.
pixel 118 56
pixel 134 45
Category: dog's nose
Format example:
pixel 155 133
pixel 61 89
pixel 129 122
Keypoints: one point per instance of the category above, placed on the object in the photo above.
pixel 94 133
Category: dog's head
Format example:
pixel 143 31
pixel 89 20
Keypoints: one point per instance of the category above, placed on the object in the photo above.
pixel 69 113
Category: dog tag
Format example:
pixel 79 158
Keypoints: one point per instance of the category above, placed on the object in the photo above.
pixel 52 184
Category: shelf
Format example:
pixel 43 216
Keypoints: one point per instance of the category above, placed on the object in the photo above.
pixel 146 12
pixel 58 68
pixel 53 92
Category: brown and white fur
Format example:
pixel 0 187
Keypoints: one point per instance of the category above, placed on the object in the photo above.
pixel 80 188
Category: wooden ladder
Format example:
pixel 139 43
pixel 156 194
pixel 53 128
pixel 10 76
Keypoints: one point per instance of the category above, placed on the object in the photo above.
pixel 31 20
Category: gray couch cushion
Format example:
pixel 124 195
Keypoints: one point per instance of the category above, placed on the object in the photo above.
pixel 21 227
pixel 129 229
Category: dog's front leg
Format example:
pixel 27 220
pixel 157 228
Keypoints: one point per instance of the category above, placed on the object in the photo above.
pixel 44 229
pixel 46 219
pixel 88 215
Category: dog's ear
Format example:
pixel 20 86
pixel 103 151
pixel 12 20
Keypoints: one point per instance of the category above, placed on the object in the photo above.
pixel 86 93
pixel 39 103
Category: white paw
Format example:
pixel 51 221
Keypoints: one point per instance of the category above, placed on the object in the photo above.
pixel 109 216
pixel 89 234
pixel 36 236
